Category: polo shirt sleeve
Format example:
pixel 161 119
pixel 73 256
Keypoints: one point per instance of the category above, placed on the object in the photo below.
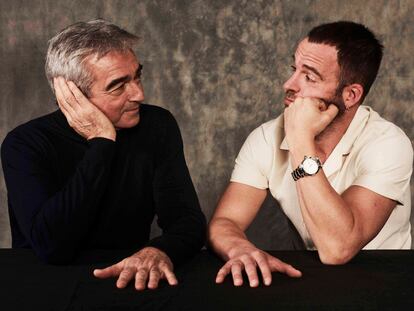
pixel 253 160
pixel 385 165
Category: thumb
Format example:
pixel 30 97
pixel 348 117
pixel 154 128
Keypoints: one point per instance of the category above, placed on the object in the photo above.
pixel 330 113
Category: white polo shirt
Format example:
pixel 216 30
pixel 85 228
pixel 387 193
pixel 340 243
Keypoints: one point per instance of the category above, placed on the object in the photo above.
pixel 373 153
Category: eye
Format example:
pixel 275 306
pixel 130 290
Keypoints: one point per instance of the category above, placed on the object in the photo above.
pixel 118 90
pixel 293 68
pixel 309 78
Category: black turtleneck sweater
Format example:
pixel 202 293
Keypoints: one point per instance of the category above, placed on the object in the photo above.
pixel 67 194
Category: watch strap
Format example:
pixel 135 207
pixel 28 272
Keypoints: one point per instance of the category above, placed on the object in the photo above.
pixel 299 172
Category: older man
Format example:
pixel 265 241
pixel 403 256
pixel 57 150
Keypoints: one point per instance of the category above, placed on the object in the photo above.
pixel 340 172
pixel 95 172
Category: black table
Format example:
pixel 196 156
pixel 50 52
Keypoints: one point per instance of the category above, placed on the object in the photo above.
pixel 373 280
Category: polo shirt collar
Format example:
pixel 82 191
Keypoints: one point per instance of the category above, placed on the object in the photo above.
pixel 344 147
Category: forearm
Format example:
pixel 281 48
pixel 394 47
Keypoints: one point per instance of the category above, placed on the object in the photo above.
pixel 329 220
pixel 64 220
pixel 224 236
pixel 181 238
pixel 54 217
pixel 176 203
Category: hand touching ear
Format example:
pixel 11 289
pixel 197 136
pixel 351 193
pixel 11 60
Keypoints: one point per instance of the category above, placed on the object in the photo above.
pixel 83 116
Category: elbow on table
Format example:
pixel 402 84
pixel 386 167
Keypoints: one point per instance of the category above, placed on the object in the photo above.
pixel 338 256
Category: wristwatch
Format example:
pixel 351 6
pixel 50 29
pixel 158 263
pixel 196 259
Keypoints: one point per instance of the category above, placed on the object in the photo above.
pixel 309 167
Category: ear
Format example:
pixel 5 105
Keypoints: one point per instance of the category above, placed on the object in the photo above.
pixel 352 95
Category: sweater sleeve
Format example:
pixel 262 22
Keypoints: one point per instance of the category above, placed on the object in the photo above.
pixel 53 221
pixel 176 203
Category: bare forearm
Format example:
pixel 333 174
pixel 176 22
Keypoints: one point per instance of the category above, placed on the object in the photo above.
pixel 340 225
pixel 329 220
pixel 224 235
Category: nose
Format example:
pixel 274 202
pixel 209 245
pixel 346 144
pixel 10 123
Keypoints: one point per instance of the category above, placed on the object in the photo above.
pixel 292 83
pixel 135 91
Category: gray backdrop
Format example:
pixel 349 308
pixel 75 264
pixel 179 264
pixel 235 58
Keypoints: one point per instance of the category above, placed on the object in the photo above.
pixel 218 65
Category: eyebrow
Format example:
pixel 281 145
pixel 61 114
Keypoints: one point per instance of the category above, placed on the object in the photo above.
pixel 139 71
pixel 314 70
pixel 123 79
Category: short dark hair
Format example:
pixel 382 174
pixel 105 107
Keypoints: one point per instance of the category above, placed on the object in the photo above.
pixel 359 51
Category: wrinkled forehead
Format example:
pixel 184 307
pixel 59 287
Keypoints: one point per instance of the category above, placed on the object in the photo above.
pixel 112 66
pixel 316 53
pixel 111 61
pixel 322 58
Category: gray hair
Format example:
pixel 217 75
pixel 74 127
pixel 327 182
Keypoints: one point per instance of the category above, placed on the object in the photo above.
pixel 69 50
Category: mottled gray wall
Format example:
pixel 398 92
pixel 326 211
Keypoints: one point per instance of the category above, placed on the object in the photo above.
pixel 217 65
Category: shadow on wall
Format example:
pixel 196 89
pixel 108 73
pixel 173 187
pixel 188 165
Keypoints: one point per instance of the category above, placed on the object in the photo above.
pixel 272 230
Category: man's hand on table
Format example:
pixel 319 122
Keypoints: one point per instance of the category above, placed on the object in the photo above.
pixel 147 267
pixel 249 258
pixel 82 115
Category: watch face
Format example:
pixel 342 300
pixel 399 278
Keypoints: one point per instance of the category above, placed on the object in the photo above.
pixel 310 166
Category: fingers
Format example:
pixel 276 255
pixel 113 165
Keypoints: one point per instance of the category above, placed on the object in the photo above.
pixel 141 278
pixel 169 275
pixel 63 105
pixel 328 115
pixel 126 275
pixel 154 278
pixel 235 267
pixel 236 271
pixel 282 267
pixel 223 272
pixel 251 272
pixel 108 272
pixel 331 112
pixel 80 97
pixel 147 267
pixel 64 94
pixel 265 270
pixel 82 115
pixel 250 263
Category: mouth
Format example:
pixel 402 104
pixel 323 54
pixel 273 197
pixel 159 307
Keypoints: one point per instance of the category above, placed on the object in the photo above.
pixel 289 97
pixel 133 109
pixel 288 101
